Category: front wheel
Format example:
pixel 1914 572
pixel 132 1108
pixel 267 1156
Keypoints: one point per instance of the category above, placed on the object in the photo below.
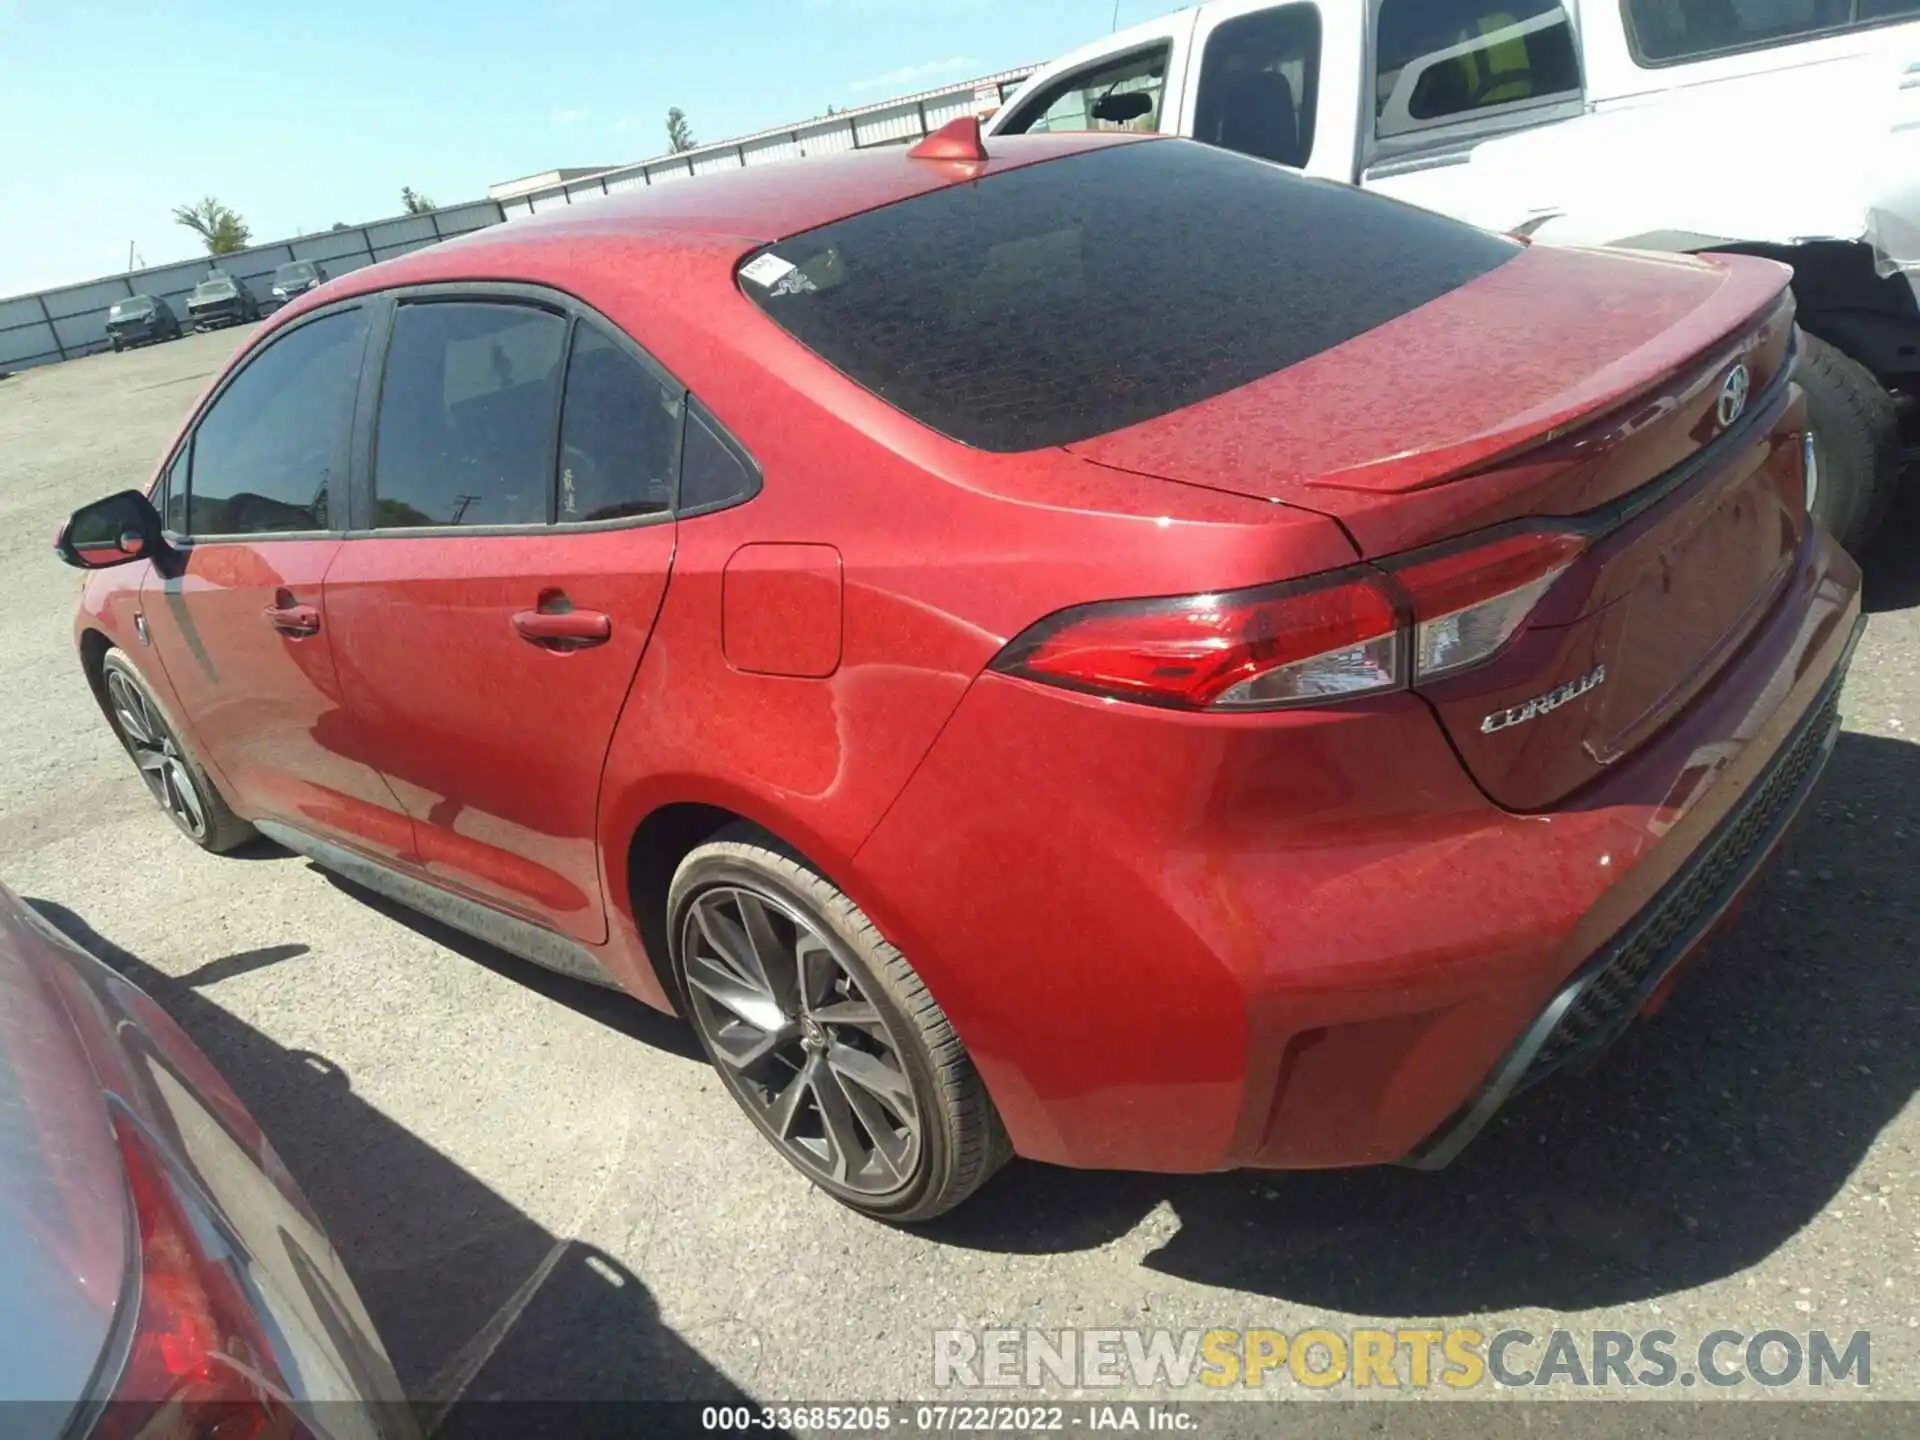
pixel 174 777
pixel 1856 443
pixel 824 1034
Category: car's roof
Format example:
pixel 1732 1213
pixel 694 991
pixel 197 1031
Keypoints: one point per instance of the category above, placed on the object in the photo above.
pixel 727 211
pixel 771 202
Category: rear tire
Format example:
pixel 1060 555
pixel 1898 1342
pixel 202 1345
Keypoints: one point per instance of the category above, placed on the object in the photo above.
pixel 178 782
pixel 828 1040
pixel 1856 439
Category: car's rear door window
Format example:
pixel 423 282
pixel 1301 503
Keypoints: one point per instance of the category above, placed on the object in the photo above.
pixel 469 402
pixel 269 454
pixel 715 472
pixel 1053 302
pixel 619 434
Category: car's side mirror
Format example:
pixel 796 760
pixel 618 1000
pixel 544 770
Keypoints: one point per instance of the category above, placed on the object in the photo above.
pixel 115 531
pixel 1119 109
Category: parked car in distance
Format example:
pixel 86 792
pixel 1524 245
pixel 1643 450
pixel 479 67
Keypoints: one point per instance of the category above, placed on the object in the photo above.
pixel 140 319
pixel 1250 679
pixel 221 300
pixel 297 277
pixel 1586 122
pixel 158 1265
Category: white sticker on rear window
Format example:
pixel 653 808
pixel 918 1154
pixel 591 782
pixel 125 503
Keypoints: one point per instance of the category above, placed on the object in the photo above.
pixel 766 270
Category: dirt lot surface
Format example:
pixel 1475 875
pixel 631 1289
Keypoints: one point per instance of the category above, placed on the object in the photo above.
pixel 542 1191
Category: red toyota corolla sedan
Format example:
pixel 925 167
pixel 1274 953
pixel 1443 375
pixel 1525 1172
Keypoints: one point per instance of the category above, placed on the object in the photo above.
pixel 1110 651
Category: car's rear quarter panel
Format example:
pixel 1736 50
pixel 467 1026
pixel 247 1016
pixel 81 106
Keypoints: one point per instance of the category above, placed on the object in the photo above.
pixel 945 554
pixel 1189 942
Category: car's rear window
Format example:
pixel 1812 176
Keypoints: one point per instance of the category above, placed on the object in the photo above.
pixel 297 270
pixel 1067 299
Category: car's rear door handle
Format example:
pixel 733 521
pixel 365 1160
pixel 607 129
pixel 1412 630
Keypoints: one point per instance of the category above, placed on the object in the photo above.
pixel 294 620
pixel 563 629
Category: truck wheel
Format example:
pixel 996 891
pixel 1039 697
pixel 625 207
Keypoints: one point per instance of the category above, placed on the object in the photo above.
pixel 1856 440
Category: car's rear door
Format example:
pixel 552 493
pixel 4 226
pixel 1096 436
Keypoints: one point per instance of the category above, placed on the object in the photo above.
pixel 510 553
pixel 255 503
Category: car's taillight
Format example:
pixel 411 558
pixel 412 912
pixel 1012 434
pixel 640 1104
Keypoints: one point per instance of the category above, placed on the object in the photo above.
pixel 198 1363
pixel 1466 605
pixel 1337 637
pixel 1239 650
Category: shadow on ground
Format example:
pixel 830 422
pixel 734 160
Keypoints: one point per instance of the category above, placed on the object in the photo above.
pixel 473 1298
pixel 1709 1136
pixel 612 1008
pixel 1704 1141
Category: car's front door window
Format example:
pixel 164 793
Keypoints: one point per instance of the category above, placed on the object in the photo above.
pixel 268 457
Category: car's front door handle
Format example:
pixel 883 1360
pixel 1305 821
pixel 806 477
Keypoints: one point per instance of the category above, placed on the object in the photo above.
pixel 297 621
pixel 563 629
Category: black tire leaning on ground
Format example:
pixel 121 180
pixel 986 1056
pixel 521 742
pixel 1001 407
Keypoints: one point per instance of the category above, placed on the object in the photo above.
pixel 1856 437
pixel 220 830
pixel 963 1142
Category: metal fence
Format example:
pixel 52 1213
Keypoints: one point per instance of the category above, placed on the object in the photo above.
pixel 61 324
pixel 891 122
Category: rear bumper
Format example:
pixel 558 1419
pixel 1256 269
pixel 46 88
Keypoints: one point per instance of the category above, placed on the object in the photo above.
pixel 1186 943
pixel 1604 996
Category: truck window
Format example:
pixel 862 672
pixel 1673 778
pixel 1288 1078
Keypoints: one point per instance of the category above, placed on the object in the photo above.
pixel 1665 31
pixel 1259 84
pixel 1442 60
pixel 1119 94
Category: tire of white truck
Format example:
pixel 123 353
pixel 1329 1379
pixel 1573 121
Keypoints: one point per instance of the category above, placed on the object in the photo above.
pixel 1856 439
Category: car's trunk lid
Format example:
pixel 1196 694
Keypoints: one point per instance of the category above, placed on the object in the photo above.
pixel 1565 384
pixel 64 1211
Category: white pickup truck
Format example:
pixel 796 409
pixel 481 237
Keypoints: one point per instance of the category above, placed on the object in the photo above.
pixel 1785 128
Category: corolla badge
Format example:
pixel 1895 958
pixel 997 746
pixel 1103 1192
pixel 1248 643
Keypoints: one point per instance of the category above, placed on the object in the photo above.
pixel 1733 396
pixel 1544 704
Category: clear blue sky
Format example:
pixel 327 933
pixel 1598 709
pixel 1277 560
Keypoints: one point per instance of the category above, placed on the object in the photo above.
pixel 299 113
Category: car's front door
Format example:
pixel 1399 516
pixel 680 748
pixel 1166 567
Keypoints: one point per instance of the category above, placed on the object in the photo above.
pixel 492 606
pixel 254 507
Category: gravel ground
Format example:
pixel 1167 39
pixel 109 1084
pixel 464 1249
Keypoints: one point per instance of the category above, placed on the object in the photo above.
pixel 542 1192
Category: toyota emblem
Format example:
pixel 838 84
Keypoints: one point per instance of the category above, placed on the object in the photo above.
pixel 1733 396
